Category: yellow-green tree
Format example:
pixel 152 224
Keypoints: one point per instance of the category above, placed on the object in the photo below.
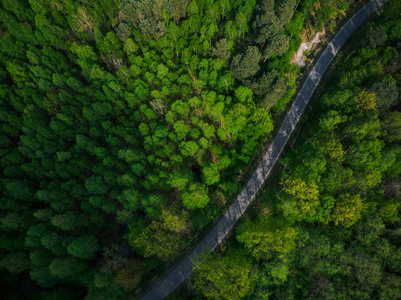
pixel 331 147
pixel 128 277
pixel 154 240
pixel 161 237
pixel 223 277
pixel 347 210
pixel 366 101
pixel 267 236
pixel 175 223
pixel 306 195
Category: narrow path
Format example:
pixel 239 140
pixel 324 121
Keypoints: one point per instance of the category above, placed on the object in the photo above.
pixel 212 240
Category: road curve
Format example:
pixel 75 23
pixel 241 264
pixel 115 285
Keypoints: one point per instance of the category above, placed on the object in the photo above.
pixel 217 234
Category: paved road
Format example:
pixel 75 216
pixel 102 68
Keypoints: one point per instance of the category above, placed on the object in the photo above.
pixel 212 240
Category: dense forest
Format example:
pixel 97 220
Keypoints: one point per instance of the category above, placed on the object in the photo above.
pixel 329 227
pixel 127 124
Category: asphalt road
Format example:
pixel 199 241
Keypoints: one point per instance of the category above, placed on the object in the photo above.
pixel 217 234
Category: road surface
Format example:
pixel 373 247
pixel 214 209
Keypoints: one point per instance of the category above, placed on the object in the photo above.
pixel 180 273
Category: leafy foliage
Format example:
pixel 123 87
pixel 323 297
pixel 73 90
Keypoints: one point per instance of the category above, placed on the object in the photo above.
pixel 223 277
pixel 136 111
pixel 329 227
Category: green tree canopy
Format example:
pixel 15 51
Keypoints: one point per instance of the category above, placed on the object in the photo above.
pixel 84 247
pixel 223 277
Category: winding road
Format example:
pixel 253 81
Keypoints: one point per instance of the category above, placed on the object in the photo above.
pixel 180 273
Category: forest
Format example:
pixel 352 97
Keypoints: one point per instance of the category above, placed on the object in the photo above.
pixel 329 227
pixel 127 126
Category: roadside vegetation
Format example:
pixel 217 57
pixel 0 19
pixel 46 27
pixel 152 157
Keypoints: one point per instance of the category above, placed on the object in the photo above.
pixel 125 128
pixel 328 227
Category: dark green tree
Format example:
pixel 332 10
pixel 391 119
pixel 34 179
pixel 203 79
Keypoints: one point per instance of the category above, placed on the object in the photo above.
pixel 247 64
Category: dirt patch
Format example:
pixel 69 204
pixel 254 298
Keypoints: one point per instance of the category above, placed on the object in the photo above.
pixel 299 57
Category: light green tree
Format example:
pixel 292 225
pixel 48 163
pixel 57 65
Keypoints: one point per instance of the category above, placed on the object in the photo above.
pixel 223 277
pixel 196 196
pixel 211 174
